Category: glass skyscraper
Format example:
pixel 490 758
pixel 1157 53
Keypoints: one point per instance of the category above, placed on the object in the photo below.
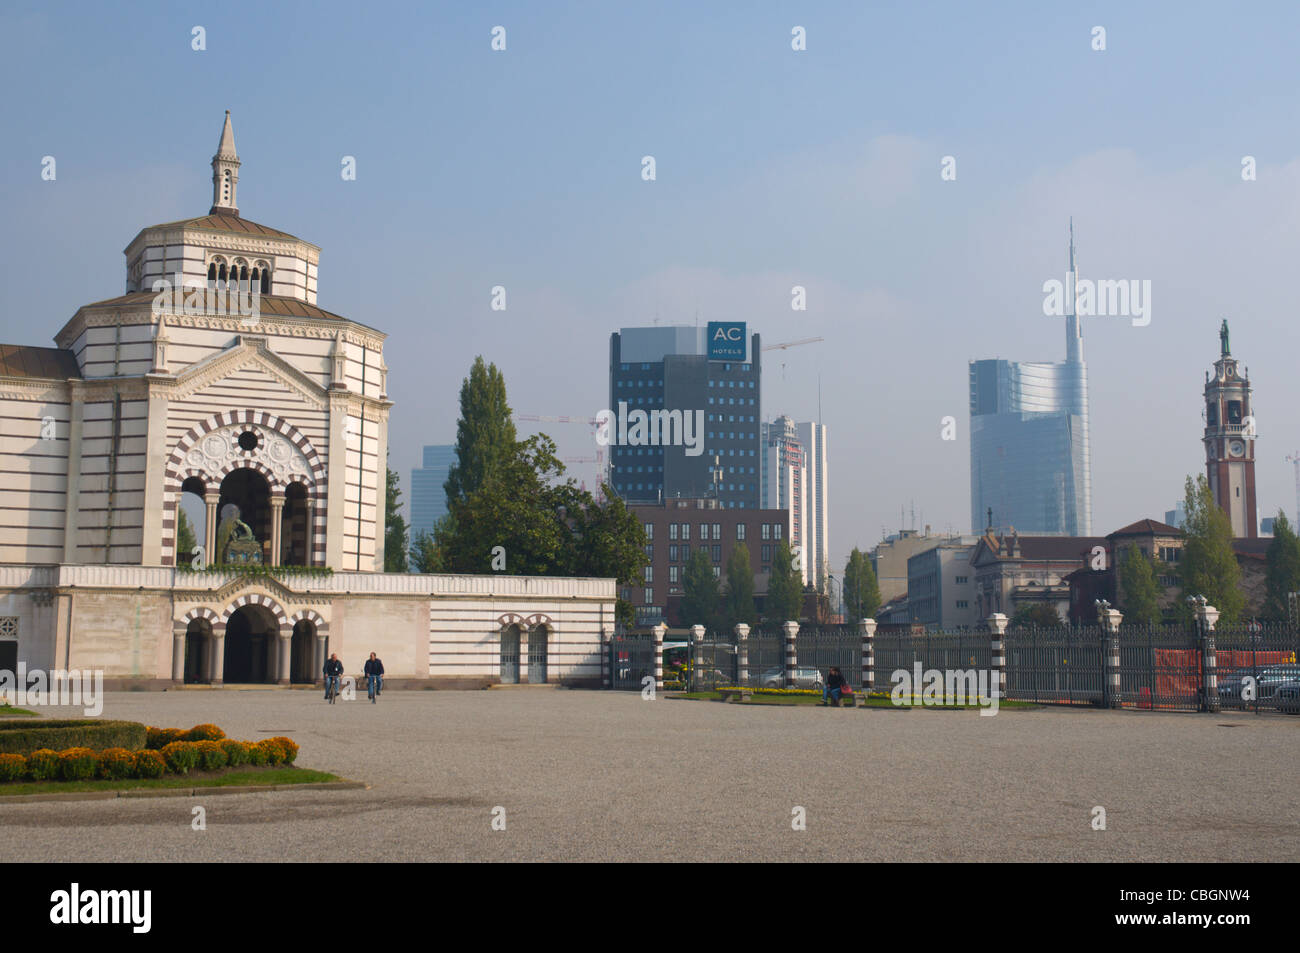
pixel 1030 459
pixel 428 497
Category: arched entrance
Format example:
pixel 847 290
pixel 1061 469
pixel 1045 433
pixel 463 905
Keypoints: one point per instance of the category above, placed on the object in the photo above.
pixel 303 644
pixel 248 489
pixel 295 532
pixel 537 646
pixel 510 655
pixel 198 651
pixel 252 633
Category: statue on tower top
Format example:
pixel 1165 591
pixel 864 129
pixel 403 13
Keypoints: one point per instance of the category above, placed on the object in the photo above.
pixel 1223 337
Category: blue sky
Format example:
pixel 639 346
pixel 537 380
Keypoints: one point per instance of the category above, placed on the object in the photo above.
pixel 820 168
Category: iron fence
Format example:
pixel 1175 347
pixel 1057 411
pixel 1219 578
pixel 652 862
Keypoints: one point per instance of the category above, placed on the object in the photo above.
pixel 1056 665
pixel 631 659
pixel 1160 667
pixel 946 651
pixel 1256 666
pixel 838 646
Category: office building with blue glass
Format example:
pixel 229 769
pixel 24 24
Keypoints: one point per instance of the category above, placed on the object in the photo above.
pixel 710 376
pixel 428 495
pixel 1030 458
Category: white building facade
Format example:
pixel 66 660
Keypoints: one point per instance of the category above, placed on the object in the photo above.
pixel 233 387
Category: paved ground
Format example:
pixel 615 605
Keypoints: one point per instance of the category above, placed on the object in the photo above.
pixel 608 776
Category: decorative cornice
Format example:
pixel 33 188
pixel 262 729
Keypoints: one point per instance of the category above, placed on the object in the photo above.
pixel 220 366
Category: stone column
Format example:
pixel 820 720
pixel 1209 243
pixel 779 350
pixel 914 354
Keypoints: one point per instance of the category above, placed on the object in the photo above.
pixel 318 660
pixel 697 650
pixel 997 623
pixel 210 501
pixel 277 516
pixel 791 630
pixel 1208 617
pixel 282 664
pixel 742 650
pixel 308 559
pixel 178 655
pixel 218 656
pixel 606 675
pixel 868 629
pixel 659 631
pixel 1110 620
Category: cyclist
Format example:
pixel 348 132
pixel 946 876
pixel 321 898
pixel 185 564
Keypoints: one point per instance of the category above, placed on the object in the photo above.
pixel 333 669
pixel 374 676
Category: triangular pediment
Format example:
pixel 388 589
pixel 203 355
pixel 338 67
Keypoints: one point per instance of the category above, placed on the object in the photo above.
pixel 248 351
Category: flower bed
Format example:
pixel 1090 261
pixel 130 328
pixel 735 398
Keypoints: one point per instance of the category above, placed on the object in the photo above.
pixel 166 750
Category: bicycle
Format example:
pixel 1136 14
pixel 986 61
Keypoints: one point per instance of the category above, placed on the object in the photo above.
pixel 374 686
pixel 331 688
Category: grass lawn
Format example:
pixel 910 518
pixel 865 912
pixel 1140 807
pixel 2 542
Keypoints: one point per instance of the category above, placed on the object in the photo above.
pixel 236 777
pixel 11 710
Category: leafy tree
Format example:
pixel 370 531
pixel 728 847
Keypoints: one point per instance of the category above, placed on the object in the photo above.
pixel 784 587
pixel 1140 601
pixel 738 602
pixel 702 597
pixel 485 434
pixel 1040 614
pixel 610 542
pixel 395 543
pixel 186 542
pixel 425 555
pixel 1209 566
pixel 861 590
pixel 1282 575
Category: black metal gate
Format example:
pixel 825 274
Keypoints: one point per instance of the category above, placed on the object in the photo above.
pixel 631 659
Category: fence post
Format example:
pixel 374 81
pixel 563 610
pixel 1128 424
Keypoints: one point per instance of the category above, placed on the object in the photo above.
pixel 606 673
pixel 791 651
pixel 742 650
pixel 868 629
pixel 1208 617
pixel 1110 682
pixel 697 637
pixel 997 623
pixel 659 631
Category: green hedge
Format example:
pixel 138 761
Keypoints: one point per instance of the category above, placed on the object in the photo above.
pixel 27 736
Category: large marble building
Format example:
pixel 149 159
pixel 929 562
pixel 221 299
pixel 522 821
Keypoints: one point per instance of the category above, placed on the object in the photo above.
pixel 217 380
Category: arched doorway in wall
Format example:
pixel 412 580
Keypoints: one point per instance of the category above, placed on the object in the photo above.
pixel 295 534
pixel 198 651
pixel 249 490
pixel 510 655
pixel 192 523
pixel 252 636
pixel 538 639
pixel 302 668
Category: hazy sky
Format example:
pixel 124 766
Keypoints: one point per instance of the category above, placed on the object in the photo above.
pixel 775 168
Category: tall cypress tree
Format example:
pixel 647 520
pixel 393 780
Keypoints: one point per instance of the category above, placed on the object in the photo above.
pixel 738 603
pixel 395 530
pixel 1137 580
pixel 1209 566
pixel 485 434
pixel 861 589
pixel 1282 575
pixel 702 597
pixel 784 587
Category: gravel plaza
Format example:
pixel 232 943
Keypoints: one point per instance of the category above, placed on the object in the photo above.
pixel 591 776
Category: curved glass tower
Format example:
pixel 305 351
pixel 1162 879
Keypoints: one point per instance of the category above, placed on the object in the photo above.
pixel 1030 460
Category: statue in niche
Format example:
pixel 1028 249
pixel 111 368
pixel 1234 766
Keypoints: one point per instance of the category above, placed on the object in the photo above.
pixel 236 543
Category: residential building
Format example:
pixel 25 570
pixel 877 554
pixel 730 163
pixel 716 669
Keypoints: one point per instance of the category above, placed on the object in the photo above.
pixel 941 585
pixel 1012 571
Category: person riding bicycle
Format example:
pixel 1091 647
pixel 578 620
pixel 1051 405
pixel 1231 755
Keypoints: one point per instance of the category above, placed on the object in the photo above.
pixel 333 669
pixel 374 676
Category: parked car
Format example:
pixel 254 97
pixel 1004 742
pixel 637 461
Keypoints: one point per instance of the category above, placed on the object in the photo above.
pixel 805 676
pixel 1268 681
pixel 1287 697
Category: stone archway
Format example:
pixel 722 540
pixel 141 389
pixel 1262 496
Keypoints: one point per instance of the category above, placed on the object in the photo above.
pixel 252 440
pixel 251 647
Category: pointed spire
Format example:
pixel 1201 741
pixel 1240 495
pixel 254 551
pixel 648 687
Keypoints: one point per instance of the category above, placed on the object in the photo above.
pixel 225 172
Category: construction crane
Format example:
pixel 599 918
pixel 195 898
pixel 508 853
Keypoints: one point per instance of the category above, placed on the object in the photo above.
pixel 786 344
pixel 1295 459
pixel 598 459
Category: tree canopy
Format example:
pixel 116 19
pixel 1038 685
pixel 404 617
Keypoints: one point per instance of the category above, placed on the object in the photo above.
pixel 1209 565
pixel 861 589
pixel 784 587
pixel 1282 575
pixel 1140 596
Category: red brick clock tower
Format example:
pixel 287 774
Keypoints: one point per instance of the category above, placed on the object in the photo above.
pixel 1230 441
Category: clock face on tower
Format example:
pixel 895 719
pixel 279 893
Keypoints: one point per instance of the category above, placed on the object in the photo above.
pixel 1236 448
